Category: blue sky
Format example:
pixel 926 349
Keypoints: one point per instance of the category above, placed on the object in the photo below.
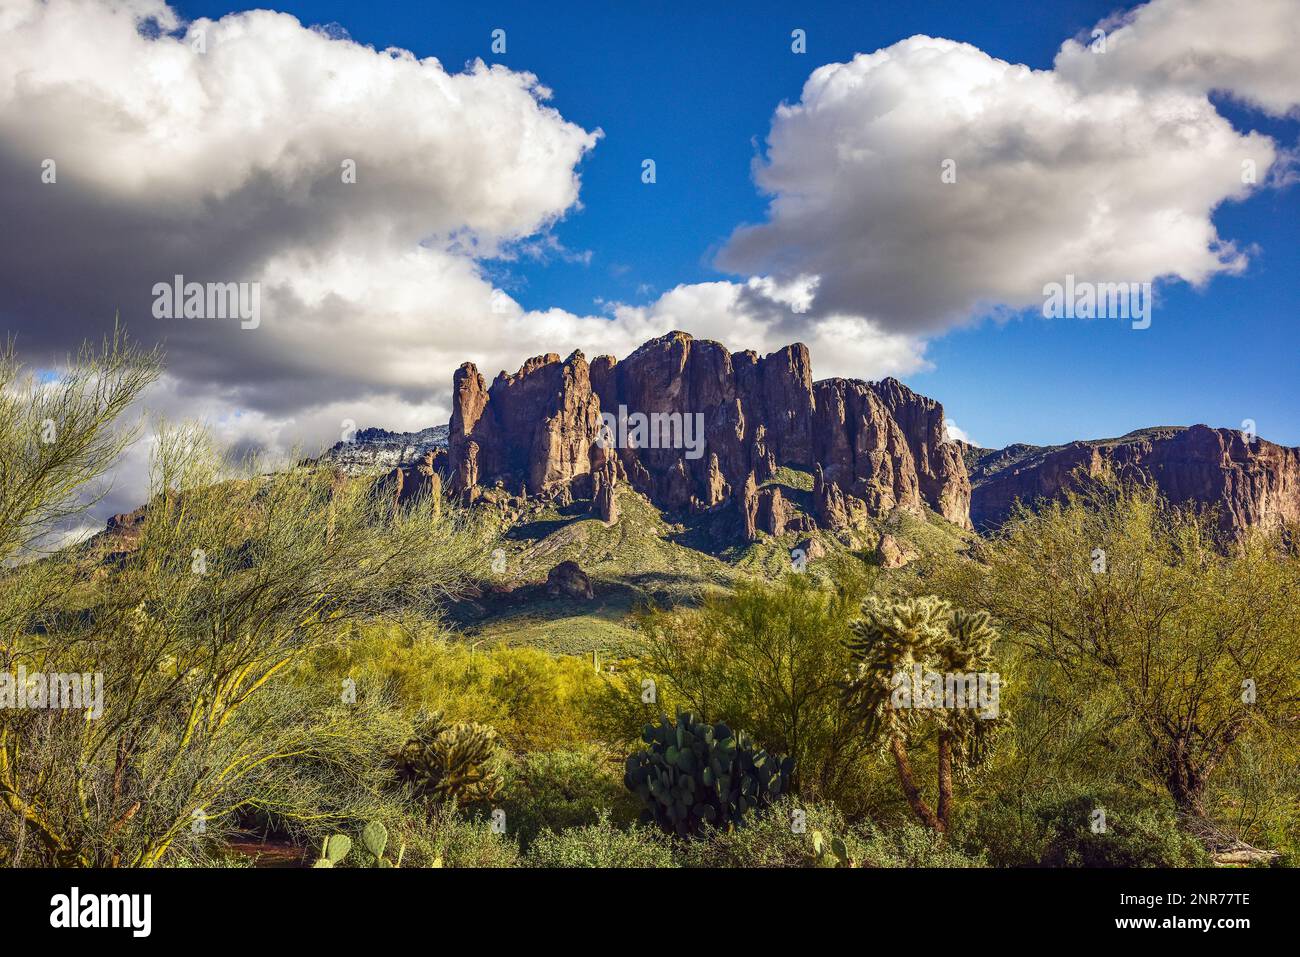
pixel 694 86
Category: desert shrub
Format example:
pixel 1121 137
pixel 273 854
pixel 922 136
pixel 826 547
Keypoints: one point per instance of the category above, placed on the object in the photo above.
pixel 1009 833
pixel 601 845
pixel 907 844
pixel 452 837
pixel 781 838
pixel 1060 827
pixel 58 437
pixel 338 783
pixel 785 838
pixel 1256 793
pixel 195 617
pixel 534 700
pixel 558 790
pixel 1189 639
pixel 1137 833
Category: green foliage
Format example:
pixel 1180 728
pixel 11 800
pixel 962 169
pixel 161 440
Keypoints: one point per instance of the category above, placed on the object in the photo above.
pixel 374 841
pixel 695 777
pixel 1256 793
pixel 1137 834
pixel 892 637
pixel 1130 601
pixel 450 762
pixel 769 658
pixel 783 837
pixel 195 616
pixel 59 435
pixel 1062 826
pixel 451 837
pixel 897 648
pixel 908 844
pixel 222 682
pixel 829 852
pixel 334 850
pixel 557 790
pixel 601 845
pixel 536 701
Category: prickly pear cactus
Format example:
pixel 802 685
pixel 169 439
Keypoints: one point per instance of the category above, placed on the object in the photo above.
pixel 335 848
pixel 829 853
pixel 374 840
pixel 697 776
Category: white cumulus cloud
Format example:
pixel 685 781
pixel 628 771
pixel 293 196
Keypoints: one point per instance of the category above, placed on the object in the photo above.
pixel 1109 166
pixel 215 149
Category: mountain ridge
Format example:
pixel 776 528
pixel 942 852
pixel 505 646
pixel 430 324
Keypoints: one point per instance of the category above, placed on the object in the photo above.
pixel 866 448
pixel 870 447
pixel 1250 481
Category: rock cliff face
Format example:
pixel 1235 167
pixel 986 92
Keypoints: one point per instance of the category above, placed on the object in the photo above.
pixel 721 427
pixel 715 426
pixel 421 478
pixel 1251 483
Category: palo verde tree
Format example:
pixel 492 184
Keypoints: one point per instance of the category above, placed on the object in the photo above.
pixel 767 657
pixel 59 434
pixel 194 617
pixel 921 668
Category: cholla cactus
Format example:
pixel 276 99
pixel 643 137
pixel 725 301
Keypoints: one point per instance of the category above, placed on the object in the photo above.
pixel 892 639
pixel 450 761
pixel 969 650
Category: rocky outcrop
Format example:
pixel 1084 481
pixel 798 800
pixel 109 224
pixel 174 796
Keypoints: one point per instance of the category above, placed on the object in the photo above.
pixel 697 428
pixel 417 479
pixel 1250 482
pixel 532 431
pixel 568 580
pixel 809 549
pixel 604 484
pixel 374 451
pixel 127 525
pixel 891 553
pixel 883 445
pixel 773 512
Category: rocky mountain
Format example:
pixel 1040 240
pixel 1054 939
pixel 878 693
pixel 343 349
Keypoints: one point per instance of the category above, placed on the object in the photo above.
pixel 697 429
pixel 1249 480
pixel 378 450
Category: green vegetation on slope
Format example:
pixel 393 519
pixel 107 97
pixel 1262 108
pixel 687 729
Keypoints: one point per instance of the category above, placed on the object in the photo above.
pixel 280 672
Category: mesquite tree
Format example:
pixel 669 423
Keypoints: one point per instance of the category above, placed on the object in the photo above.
pixel 1187 636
